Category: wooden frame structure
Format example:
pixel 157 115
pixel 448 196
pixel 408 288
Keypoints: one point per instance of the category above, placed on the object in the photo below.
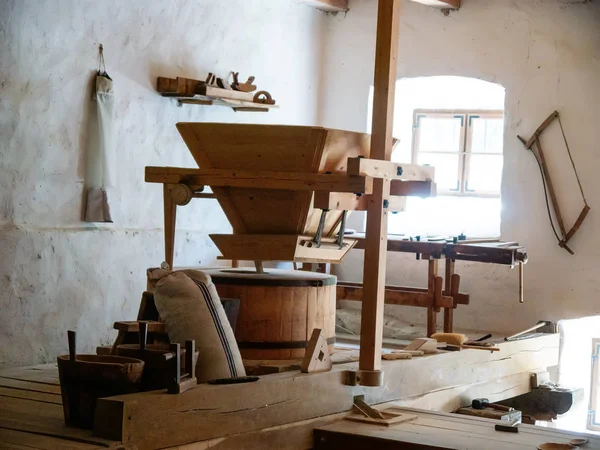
pixel 376 178
pixel 440 292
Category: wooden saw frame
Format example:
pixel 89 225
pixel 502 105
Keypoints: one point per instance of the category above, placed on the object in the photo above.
pixel 565 235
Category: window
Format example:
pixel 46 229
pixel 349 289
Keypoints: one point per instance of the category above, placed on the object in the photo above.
pixel 465 147
pixel 465 150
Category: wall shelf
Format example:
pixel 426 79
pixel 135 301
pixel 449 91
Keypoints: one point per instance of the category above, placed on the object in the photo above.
pixel 195 92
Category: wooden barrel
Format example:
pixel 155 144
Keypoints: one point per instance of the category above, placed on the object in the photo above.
pixel 278 309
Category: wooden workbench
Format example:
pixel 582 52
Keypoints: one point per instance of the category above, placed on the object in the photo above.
pixel 279 411
pixel 440 431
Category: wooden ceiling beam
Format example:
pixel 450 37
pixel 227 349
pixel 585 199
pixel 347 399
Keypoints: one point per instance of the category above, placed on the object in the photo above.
pixel 328 5
pixel 442 4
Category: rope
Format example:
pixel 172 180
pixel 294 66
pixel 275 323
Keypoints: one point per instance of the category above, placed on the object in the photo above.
pixel 546 195
pixel 572 162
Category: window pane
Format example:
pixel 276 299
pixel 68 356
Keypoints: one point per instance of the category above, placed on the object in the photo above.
pixel 486 135
pixel 446 168
pixel 485 173
pixel 439 134
pixel 448 216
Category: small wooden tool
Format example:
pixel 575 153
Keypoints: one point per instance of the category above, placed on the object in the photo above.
pixel 189 379
pixel 263 97
pixel 316 358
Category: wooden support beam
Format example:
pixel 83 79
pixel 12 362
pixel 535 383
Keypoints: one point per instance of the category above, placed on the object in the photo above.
pixel 371 327
pixel 280 247
pixel 441 4
pixel 345 201
pixel 413 188
pixel 170 215
pixel 432 287
pixel 148 419
pixel 260 179
pixel 328 5
pixel 377 168
pixel 449 312
pixel 395 295
pixel 459 297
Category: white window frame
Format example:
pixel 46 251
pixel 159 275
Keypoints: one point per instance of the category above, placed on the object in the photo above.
pixel 465 150
pixel 594 384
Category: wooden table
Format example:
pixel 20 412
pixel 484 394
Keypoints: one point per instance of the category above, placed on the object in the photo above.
pixel 436 430
pixel 31 413
pixel 278 411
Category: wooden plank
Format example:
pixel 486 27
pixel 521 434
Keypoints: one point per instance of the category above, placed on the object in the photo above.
pixel 280 247
pixel 25 440
pixel 442 4
pixel 377 168
pixel 345 201
pixel 43 419
pixel 449 311
pixel 413 188
pixel 31 395
pixel 148 419
pixel 134 327
pixel 459 298
pixel 328 5
pixel 394 296
pixel 29 386
pixel 436 430
pixel 259 179
pixel 431 288
pixel 386 54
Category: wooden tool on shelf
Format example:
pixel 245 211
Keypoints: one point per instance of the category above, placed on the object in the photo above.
pixel 565 235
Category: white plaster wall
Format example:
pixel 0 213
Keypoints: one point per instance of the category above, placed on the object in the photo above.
pixel 57 272
pixel 546 53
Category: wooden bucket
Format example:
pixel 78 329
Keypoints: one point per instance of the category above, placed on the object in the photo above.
pixel 90 377
pixel 159 363
pixel 278 309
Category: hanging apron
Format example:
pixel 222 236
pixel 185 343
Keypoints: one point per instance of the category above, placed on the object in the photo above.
pixel 101 156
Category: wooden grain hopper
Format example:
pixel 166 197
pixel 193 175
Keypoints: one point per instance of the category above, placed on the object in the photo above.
pixel 285 189
pixel 279 148
pixel 268 212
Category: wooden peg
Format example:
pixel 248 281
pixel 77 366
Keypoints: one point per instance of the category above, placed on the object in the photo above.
pixel 521 291
pixel 72 337
pixel 143 336
pixel 316 358
pixel 190 350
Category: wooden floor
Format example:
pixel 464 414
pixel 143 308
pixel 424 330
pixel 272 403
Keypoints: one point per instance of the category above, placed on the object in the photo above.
pixel 440 431
pixel 31 414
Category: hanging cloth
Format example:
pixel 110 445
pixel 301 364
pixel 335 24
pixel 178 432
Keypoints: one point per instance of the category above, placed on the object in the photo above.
pixel 101 152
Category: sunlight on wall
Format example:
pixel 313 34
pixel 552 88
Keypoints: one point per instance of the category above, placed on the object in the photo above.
pixel 443 215
pixel 575 366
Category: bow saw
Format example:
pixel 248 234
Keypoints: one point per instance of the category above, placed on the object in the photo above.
pixel 548 186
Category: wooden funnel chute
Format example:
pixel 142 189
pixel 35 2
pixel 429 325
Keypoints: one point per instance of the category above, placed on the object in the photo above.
pixel 277 148
pixel 285 189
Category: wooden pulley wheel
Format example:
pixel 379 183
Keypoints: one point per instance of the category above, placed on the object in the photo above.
pixel 181 194
pixel 263 97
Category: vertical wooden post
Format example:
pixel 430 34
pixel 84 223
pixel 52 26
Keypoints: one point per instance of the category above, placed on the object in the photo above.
pixel 170 211
pixel 431 288
pixel 448 312
pixel 371 327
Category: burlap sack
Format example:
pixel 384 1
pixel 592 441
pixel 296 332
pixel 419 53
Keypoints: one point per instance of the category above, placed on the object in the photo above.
pixel 190 307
